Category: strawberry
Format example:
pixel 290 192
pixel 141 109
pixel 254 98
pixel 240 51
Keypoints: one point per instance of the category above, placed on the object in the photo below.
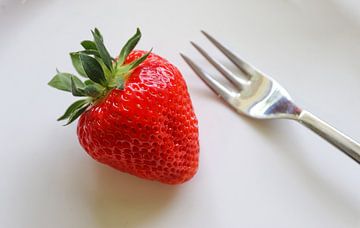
pixel 136 116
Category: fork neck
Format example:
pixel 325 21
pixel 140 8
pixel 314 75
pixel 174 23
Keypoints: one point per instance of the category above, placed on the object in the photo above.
pixel 283 108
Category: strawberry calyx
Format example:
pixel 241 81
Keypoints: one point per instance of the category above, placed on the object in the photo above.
pixel 102 73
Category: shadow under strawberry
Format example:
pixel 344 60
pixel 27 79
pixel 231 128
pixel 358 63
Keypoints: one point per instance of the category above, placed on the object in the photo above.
pixel 120 200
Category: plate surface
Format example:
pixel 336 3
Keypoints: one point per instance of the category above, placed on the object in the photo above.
pixel 252 173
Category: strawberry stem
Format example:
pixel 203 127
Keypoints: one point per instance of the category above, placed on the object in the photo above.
pixel 104 73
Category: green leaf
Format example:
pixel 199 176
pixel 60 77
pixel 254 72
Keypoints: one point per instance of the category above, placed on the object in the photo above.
pixel 104 54
pixel 97 32
pixel 90 52
pixel 121 83
pixel 122 70
pixel 88 45
pixel 74 106
pixel 106 71
pixel 62 81
pixel 76 90
pixel 75 59
pixel 137 62
pixel 94 90
pixel 76 113
pixel 129 46
pixel 118 82
pixel 89 82
pixel 93 69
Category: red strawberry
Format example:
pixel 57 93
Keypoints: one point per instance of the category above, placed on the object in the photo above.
pixel 137 117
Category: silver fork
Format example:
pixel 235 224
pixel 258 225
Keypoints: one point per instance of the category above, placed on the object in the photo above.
pixel 259 96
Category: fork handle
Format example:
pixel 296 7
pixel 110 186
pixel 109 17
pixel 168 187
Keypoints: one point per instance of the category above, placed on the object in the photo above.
pixel 346 144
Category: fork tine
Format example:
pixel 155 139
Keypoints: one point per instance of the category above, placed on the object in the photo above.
pixel 248 70
pixel 214 85
pixel 237 81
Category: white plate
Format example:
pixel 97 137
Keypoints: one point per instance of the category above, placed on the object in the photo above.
pixel 252 173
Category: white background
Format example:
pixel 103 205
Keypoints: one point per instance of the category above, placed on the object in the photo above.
pixel 252 173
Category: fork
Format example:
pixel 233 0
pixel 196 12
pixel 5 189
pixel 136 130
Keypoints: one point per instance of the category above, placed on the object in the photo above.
pixel 259 96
